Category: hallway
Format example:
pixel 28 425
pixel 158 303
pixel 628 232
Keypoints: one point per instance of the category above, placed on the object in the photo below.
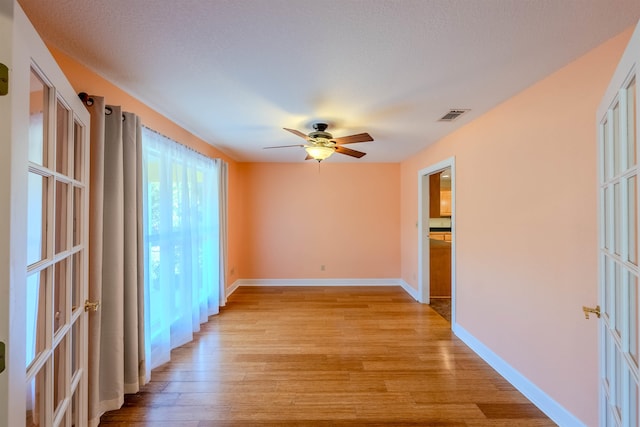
pixel 328 356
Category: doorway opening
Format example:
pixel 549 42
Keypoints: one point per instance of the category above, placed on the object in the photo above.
pixel 436 238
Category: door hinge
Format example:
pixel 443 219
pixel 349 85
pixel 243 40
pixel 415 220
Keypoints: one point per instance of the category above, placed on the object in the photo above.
pixel 1 356
pixel 4 80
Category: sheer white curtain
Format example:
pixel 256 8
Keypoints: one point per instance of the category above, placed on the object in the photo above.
pixel 182 242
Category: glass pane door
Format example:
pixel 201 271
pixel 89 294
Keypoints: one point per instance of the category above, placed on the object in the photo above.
pixel 619 258
pixel 56 247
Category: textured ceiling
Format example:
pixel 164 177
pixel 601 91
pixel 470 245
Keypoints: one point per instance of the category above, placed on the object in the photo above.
pixel 235 72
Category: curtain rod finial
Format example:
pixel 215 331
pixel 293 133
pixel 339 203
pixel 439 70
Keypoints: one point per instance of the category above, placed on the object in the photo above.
pixel 85 98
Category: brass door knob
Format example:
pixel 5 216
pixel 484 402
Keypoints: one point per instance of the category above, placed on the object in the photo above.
pixel 588 310
pixel 91 306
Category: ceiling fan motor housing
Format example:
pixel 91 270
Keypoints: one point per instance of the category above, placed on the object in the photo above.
pixel 322 135
pixel 320 131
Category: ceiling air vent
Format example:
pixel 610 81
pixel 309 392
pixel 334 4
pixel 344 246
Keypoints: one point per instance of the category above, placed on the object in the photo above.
pixel 452 115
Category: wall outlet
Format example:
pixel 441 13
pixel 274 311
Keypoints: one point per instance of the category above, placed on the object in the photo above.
pixel 232 271
pixel 322 267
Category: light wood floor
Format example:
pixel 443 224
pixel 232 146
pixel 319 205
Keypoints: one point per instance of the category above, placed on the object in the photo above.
pixel 326 356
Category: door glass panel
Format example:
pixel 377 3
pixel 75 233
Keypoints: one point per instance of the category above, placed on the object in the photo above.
pixel 633 397
pixel 63 420
pixel 633 318
pixel 618 381
pixel 78 151
pixel 605 284
pixel 607 219
pixel 617 240
pixel 77 216
pixel 76 275
pixel 36 218
pixel 36 315
pixel 59 373
pixel 62 191
pixel 610 420
pixel 75 348
pixel 75 409
pixel 60 295
pixel 608 368
pixel 39 94
pixel 62 139
pixel 617 289
pixel 617 149
pixel 608 285
pixel 632 139
pixel 632 219
pixel 35 400
pixel 606 154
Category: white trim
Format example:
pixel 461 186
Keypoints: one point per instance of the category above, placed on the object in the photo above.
pixel 413 292
pixel 231 289
pixel 323 282
pixel 537 396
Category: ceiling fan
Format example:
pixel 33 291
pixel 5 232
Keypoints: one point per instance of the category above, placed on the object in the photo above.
pixel 321 144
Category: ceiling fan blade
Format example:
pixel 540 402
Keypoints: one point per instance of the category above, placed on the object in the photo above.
pixel 283 146
pixel 349 152
pixel 360 137
pixel 297 132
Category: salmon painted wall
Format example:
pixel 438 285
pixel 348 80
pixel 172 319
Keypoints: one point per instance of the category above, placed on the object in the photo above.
pixel 84 80
pixel 526 227
pixel 345 216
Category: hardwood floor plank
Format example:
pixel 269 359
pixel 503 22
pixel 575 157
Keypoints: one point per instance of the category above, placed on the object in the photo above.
pixel 325 356
pixel 510 410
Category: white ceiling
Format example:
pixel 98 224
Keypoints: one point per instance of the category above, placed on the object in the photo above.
pixel 235 72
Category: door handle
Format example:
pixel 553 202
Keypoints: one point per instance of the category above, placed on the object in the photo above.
pixel 2 362
pixel 588 310
pixel 4 80
pixel 91 306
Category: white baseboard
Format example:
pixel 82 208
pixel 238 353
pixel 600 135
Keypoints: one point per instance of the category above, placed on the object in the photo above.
pixel 409 289
pixel 543 401
pixel 231 289
pixel 324 282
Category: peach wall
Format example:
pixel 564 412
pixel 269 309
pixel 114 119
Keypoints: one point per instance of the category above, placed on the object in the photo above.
pixel 526 228
pixel 84 80
pixel 343 216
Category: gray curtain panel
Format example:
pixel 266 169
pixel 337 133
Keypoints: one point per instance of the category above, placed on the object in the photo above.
pixel 117 355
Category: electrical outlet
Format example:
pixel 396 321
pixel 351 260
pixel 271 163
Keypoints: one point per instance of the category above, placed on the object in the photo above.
pixel 232 271
pixel 322 267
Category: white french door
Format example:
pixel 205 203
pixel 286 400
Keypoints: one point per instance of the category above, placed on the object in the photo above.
pixel 44 322
pixel 618 243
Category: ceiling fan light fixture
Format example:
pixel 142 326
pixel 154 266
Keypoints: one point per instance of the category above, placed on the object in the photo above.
pixel 320 152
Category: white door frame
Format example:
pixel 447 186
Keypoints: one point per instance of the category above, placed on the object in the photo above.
pixel 8 396
pixel 423 232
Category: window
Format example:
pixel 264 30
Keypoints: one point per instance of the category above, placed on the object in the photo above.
pixel 181 236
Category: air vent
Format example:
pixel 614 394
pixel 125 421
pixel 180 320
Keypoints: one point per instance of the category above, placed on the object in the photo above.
pixel 452 115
